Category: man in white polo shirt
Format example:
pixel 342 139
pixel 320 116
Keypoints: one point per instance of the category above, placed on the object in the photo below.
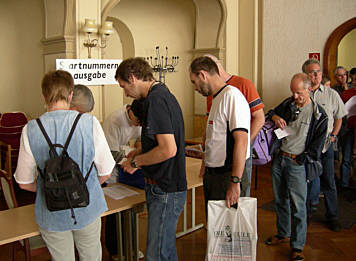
pixel 227 133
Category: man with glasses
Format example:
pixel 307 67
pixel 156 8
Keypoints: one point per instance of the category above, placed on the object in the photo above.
pixel 335 110
pixel 346 134
pixel 340 74
pixel 307 125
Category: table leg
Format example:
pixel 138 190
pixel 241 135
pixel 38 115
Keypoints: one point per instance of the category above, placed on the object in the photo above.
pixel 194 226
pixel 119 236
pixel 128 235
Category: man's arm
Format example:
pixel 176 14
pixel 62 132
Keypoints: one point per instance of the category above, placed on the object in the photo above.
pixel 257 121
pixel 336 128
pixel 30 187
pixel 102 179
pixel 238 165
pixel 279 122
pixel 202 166
pixel 165 150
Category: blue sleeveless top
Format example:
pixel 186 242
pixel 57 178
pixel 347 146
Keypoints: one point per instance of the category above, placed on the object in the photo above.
pixel 81 149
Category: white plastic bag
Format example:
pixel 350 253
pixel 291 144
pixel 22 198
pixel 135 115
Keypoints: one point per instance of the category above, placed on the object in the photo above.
pixel 232 233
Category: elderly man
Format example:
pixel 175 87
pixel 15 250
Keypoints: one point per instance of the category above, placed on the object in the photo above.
pixel 307 122
pixel 227 143
pixel 248 89
pixel 82 100
pixel 162 156
pixel 335 110
pixel 340 74
pixel 346 134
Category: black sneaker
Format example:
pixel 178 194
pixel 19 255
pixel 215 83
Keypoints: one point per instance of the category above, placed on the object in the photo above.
pixel 334 225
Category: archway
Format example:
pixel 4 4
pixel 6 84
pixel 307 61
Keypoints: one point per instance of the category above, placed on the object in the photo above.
pixel 330 49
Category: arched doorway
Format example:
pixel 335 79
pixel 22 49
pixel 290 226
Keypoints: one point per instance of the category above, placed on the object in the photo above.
pixel 330 49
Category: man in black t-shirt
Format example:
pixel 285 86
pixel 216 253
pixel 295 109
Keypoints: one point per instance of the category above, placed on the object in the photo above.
pixel 161 157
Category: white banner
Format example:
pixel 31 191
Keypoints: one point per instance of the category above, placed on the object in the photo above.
pixel 90 71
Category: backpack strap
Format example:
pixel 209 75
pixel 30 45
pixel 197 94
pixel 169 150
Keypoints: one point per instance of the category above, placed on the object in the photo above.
pixel 91 167
pixel 70 204
pixel 52 148
pixel 72 131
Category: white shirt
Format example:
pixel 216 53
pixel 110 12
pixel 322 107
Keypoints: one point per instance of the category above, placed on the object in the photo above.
pixel 118 130
pixel 229 111
pixel 26 170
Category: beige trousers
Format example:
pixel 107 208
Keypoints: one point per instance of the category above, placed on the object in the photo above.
pixel 86 240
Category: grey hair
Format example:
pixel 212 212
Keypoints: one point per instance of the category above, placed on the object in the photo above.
pixel 305 78
pixel 339 68
pixel 83 99
pixel 307 62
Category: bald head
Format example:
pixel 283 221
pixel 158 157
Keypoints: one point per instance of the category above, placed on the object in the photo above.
pixel 223 74
pixel 300 86
pixel 303 77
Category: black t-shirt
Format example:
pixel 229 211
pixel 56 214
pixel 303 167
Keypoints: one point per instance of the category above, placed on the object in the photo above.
pixel 162 115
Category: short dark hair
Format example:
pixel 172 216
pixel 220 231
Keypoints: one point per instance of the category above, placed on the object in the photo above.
pixel 136 66
pixel 137 109
pixel 82 99
pixel 57 86
pixel 204 63
pixel 353 71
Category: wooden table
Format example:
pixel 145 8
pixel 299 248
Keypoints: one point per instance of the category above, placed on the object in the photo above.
pixel 19 223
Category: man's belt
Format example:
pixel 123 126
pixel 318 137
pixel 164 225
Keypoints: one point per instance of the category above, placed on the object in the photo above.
pixel 150 181
pixel 289 155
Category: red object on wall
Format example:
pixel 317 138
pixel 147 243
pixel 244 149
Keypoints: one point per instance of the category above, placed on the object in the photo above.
pixel 315 56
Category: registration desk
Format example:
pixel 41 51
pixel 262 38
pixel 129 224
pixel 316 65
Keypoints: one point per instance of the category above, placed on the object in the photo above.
pixel 19 223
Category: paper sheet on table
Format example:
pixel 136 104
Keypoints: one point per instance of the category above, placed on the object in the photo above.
pixel 118 192
pixel 283 133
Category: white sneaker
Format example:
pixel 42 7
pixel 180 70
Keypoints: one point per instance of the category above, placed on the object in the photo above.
pixel 140 255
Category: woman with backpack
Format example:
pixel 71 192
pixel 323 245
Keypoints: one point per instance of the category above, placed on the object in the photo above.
pixel 75 221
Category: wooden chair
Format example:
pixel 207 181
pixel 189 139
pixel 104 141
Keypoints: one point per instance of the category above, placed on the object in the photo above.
pixel 11 125
pixel 33 246
pixel 11 119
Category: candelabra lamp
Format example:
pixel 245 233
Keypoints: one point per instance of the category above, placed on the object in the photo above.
pixel 90 27
pixel 163 64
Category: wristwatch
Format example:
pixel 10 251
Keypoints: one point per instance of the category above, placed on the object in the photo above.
pixel 334 136
pixel 235 179
pixel 133 163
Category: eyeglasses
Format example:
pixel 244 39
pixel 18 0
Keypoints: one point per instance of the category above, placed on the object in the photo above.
pixel 314 72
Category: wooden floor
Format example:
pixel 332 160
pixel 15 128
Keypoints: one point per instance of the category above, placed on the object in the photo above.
pixel 322 244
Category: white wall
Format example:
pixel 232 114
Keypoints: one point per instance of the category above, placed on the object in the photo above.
pixel 21 60
pixel 112 94
pixel 346 52
pixel 164 23
pixel 291 30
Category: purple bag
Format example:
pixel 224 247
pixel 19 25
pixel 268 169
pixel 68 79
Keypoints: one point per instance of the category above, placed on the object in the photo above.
pixel 262 145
